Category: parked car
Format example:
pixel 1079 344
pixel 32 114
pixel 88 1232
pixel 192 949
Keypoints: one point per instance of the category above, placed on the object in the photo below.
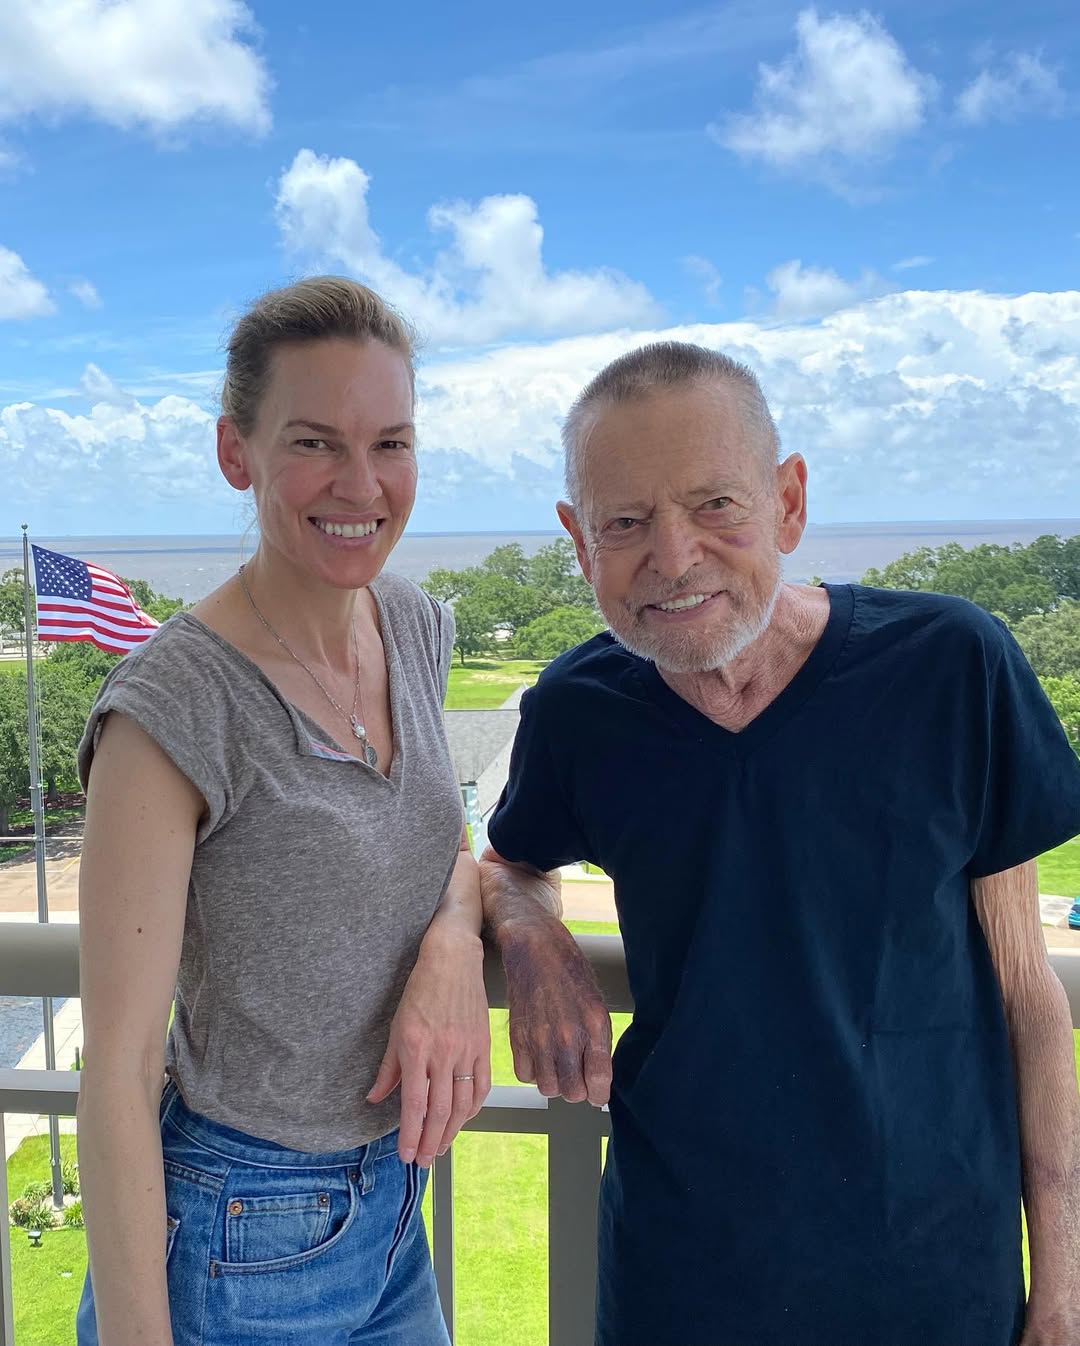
pixel 1074 915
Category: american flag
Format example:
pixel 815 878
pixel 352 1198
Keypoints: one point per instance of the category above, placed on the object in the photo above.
pixel 79 601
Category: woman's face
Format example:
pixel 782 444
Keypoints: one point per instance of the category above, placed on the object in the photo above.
pixel 331 460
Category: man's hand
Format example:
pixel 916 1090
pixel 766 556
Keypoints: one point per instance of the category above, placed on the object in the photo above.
pixel 560 1030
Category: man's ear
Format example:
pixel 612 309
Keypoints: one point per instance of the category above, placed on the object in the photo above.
pixel 569 520
pixel 232 454
pixel 791 490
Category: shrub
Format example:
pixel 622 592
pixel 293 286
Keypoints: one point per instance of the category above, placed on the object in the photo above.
pixel 37 1192
pixel 70 1172
pixel 73 1217
pixel 19 1213
pixel 27 1214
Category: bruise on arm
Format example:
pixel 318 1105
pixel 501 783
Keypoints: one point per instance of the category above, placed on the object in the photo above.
pixel 516 893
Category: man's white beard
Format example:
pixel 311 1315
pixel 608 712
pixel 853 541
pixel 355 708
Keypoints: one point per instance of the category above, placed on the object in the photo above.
pixel 690 652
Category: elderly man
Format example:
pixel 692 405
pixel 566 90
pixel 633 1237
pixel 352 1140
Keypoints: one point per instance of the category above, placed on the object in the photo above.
pixel 820 807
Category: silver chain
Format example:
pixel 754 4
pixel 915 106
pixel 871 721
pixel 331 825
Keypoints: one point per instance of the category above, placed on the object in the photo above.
pixel 357 726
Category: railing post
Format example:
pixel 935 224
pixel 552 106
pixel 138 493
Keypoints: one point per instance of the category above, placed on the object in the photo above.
pixel 574 1131
pixel 442 1234
pixel 7 1308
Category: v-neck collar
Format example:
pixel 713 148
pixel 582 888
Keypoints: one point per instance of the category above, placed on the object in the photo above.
pixel 782 707
pixel 312 739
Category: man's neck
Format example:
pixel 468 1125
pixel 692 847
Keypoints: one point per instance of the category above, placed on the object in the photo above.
pixel 738 692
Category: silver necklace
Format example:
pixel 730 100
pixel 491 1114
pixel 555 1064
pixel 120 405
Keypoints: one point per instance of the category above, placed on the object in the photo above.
pixel 371 757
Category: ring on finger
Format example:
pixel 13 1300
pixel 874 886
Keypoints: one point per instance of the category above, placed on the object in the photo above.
pixel 462 1077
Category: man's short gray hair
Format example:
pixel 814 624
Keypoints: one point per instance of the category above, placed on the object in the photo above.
pixel 663 364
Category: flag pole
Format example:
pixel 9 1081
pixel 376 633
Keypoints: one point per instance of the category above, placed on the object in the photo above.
pixel 39 855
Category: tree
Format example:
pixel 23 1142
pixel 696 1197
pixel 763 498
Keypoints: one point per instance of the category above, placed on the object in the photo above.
pixel 496 600
pixel 508 561
pixel 554 571
pixel 448 585
pixel 474 626
pixel 1057 560
pixel 154 604
pixel 1012 581
pixel 1064 696
pixel 14 746
pixel 556 632
pixel 1051 641
pixel 12 610
pixel 90 663
pixel 65 698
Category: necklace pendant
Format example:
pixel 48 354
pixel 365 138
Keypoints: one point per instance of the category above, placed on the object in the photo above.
pixel 371 757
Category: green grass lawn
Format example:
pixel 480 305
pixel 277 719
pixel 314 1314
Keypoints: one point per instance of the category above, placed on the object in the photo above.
pixel 1059 870
pixel 12 666
pixel 484 684
pixel 46 1281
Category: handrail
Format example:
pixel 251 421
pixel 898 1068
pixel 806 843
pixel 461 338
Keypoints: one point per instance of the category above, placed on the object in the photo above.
pixel 43 960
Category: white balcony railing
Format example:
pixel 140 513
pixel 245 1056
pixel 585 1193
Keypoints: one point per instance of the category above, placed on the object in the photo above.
pixel 42 960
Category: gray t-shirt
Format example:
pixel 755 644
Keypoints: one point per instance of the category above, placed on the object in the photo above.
pixel 314 877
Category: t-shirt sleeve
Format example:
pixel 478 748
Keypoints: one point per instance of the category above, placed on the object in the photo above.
pixel 1031 775
pixel 180 718
pixel 447 631
pixel 534 821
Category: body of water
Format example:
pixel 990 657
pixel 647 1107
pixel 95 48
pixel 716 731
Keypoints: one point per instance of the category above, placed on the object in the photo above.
pixel 190 567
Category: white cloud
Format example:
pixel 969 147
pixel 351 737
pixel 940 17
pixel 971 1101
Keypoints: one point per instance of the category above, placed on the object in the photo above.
pixel 918 404
pixel 489 283
pixel 904 406
pixel 21 294
pixel 847 94
pixel 912 263
pixel 801 292
pixel 86 293
pixel 152 63
pixel 1024 86
pixel 119 456
pixel 706 272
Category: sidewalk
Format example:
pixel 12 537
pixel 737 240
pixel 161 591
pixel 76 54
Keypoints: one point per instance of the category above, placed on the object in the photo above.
pixel 67 1035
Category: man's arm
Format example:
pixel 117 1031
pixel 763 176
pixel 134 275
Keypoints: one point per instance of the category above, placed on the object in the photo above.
pixel 560 1030
pixel 1040 1029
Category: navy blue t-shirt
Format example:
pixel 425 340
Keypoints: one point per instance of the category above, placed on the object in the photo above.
pixel 814 1119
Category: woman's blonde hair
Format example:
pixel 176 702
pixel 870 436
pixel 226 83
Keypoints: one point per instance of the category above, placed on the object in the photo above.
pixel 315 309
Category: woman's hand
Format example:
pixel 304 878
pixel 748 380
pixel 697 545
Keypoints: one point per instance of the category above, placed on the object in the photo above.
pixel 440 1044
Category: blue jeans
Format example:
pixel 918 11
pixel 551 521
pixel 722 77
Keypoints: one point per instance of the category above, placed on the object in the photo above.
pixel 267 1246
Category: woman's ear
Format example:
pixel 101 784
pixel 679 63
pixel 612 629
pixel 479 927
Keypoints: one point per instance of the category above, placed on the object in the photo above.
pixel 232 454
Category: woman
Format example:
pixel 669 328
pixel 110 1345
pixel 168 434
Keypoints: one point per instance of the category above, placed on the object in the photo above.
pixel 274 828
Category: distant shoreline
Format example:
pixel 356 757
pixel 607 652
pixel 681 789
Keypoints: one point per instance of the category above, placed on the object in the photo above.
pixel 882 528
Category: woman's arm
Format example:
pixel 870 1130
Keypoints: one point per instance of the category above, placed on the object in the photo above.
pixel 141 818
pixel 440 1041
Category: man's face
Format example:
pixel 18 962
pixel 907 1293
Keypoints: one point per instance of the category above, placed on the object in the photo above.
pixel 682 525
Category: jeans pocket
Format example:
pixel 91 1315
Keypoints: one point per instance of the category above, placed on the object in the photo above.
pixel 266 1228
pixel 277 1232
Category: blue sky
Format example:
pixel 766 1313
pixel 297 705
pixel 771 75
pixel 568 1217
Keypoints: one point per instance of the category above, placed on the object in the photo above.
pixel 879 210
